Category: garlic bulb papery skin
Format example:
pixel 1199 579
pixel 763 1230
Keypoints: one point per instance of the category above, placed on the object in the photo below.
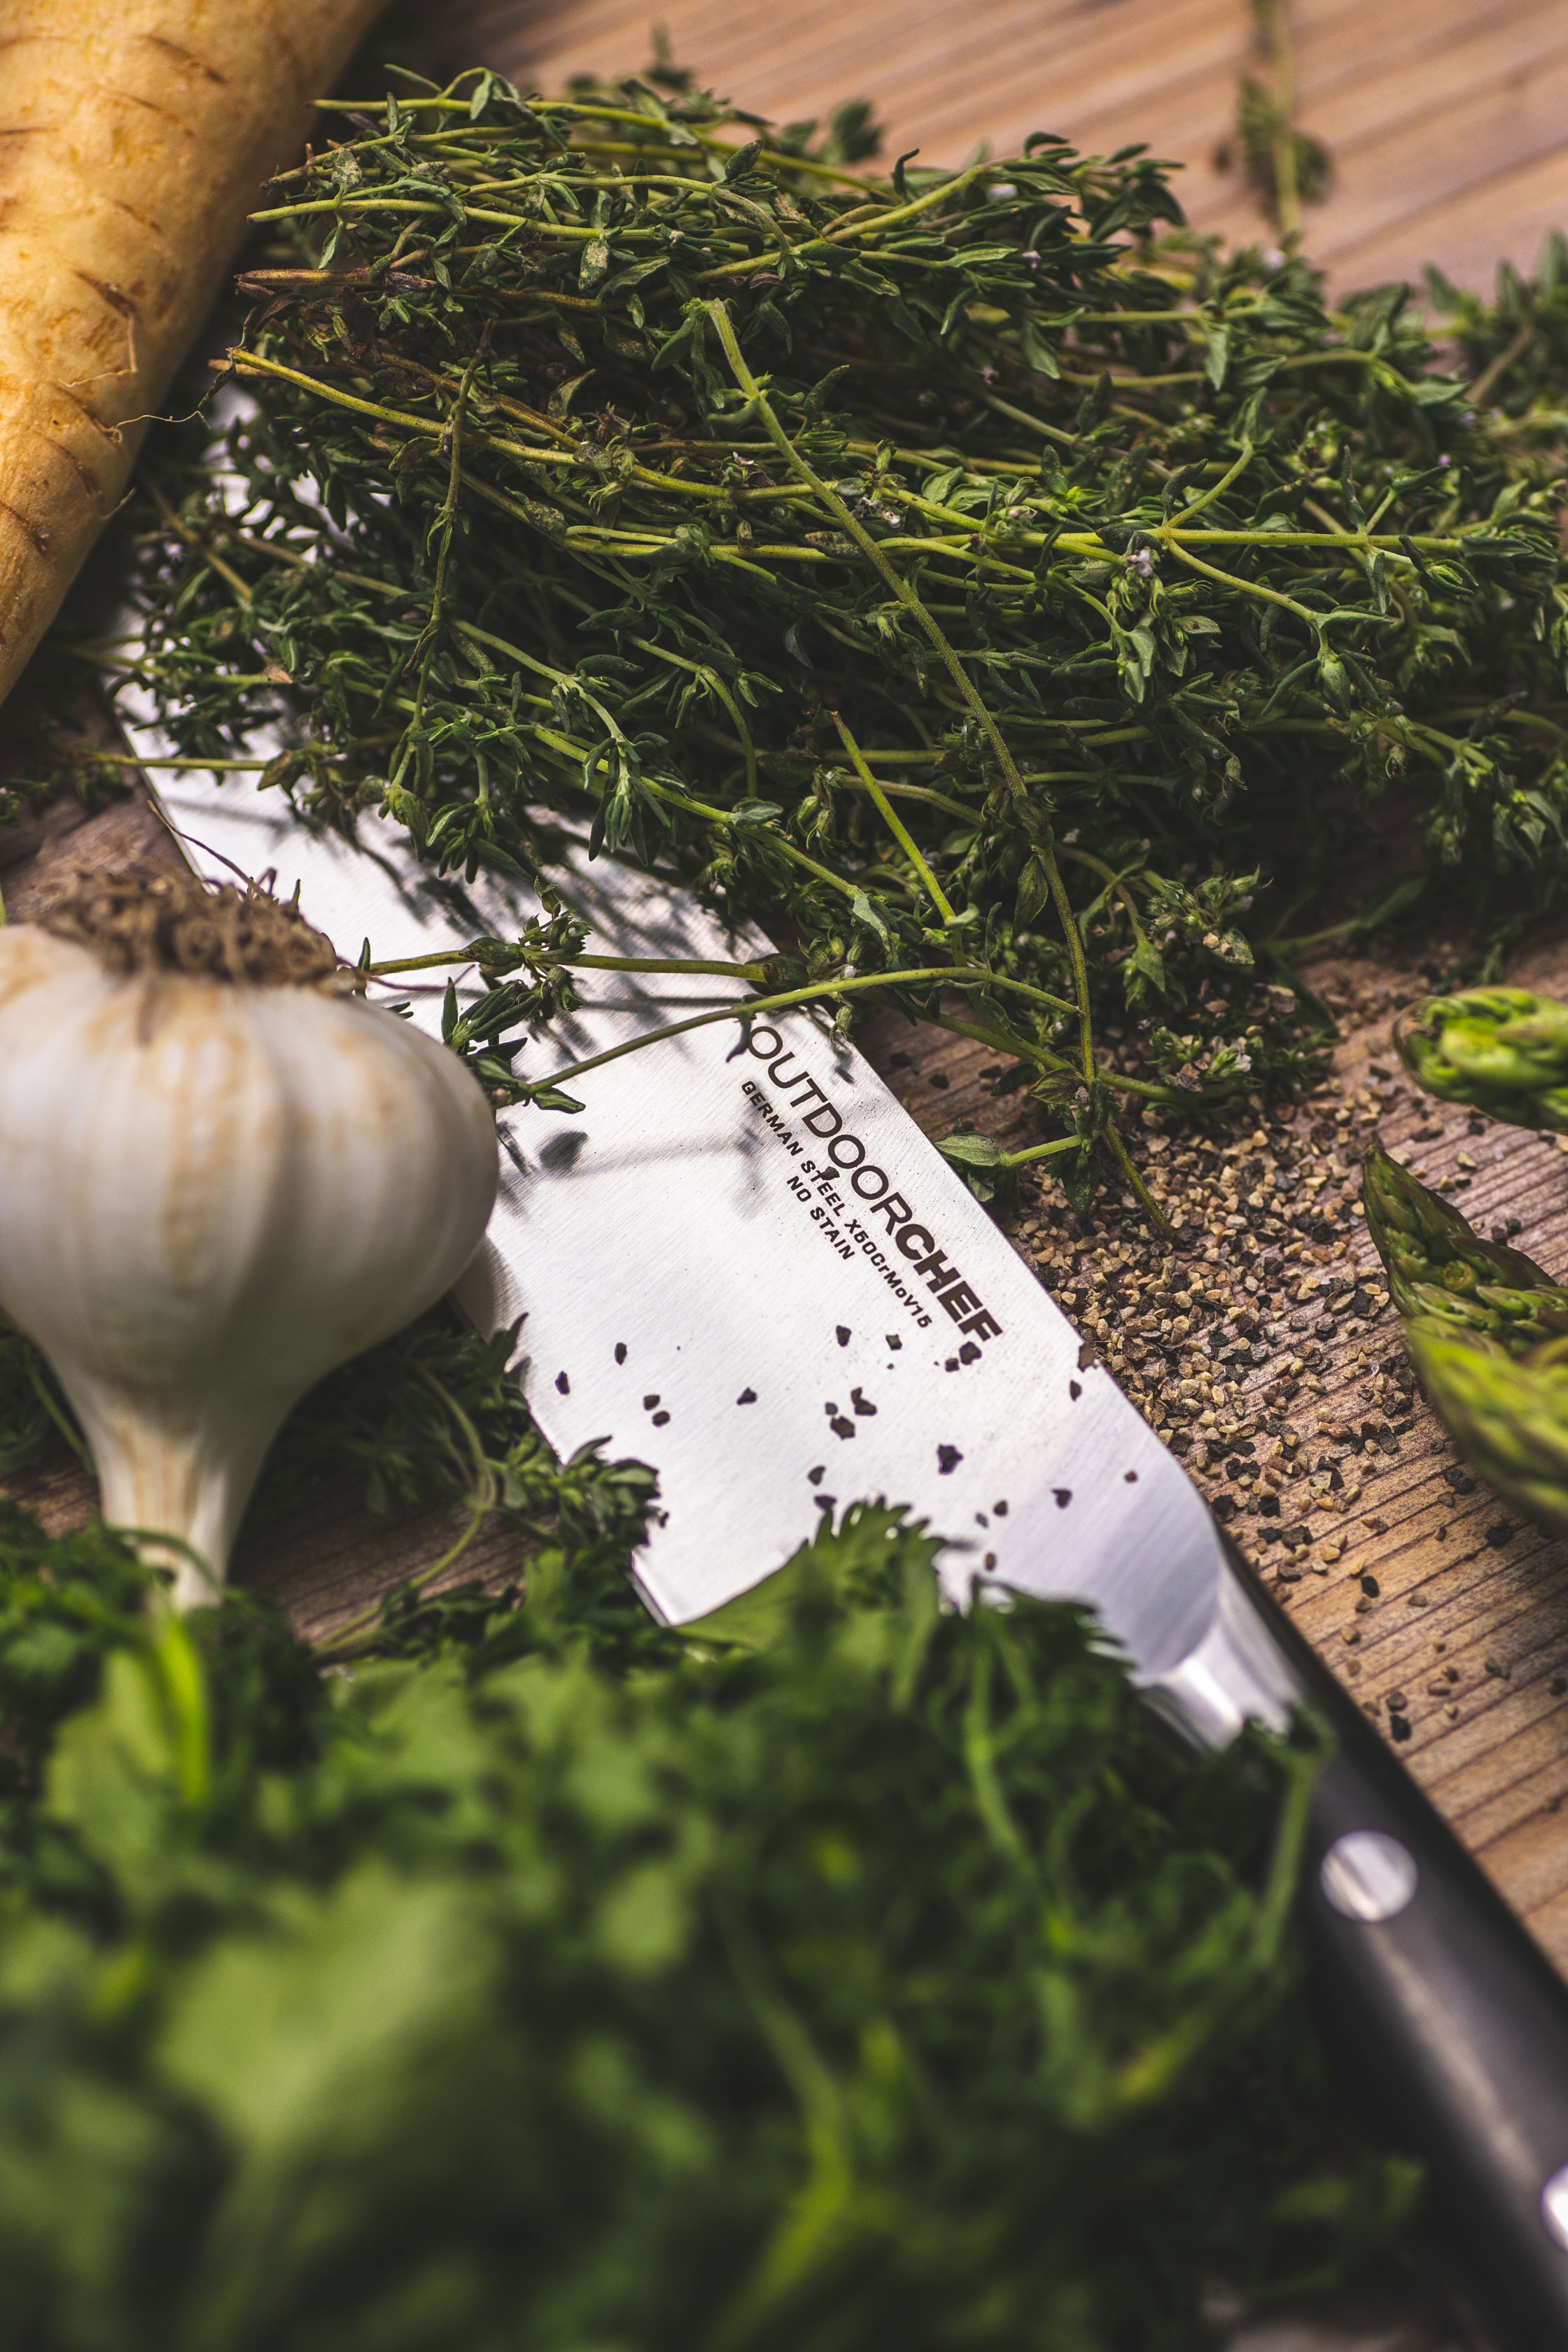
pixel 210 1195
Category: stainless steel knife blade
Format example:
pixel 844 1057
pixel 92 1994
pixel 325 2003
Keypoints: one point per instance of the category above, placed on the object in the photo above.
pixel 745 1263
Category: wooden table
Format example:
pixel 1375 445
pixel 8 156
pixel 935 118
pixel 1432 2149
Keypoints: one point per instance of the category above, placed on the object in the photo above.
pixel 1447 120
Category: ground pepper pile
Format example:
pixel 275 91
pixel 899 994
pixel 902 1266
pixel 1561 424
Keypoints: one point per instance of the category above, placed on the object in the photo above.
pixel 1265 1351
pixel 1222 1345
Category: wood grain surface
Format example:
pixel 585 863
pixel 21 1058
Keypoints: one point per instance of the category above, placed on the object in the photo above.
pixel 1446 118
pixel 1449 129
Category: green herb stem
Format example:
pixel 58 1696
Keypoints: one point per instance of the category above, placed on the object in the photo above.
pixel 747 1008
pixel 894 823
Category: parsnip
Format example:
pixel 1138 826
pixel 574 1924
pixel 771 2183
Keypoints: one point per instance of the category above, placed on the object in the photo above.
pixel 135 137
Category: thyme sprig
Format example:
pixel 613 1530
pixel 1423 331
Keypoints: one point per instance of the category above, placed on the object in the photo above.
pixel 970 575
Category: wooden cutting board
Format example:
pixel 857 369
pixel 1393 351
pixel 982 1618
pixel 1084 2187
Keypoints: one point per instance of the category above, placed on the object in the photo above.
pixel 1450 137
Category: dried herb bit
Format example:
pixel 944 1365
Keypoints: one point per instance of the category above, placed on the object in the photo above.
pixel 1284 167
pixel 152 921
pixel 523 1973
pixel 971 572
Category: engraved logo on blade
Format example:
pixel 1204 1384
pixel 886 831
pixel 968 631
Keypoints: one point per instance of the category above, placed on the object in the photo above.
pixel 874 1199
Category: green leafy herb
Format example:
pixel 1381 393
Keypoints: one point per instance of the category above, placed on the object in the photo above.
pixel 1515 350
pixel 848 1971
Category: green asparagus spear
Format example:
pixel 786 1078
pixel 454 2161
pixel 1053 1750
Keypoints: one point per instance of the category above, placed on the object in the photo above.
pixel 1509 1413
pixel 1439 1267
pixel 1501 1050
pixel 1487 1327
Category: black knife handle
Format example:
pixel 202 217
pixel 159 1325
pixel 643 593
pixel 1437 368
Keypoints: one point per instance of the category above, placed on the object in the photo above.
pixel 1449 2023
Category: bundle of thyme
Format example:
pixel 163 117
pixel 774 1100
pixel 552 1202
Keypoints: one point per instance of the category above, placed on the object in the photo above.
pixel 1010 600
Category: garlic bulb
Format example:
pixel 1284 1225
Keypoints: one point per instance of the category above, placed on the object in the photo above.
pixel 220 1175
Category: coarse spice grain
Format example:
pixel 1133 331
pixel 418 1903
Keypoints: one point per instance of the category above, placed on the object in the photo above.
pixel 1224 1343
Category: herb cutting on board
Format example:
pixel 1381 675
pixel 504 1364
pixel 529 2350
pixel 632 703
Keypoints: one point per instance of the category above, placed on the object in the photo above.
pixel 724 588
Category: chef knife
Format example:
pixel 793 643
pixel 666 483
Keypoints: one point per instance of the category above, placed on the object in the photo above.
pixel 745 1263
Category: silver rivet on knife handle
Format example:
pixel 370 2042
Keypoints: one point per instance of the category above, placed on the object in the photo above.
pixel 1369 1876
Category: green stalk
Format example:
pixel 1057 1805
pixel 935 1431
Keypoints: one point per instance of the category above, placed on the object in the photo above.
pixel 1145 1199
pixel 1037 1151
pixel 1275 27
pixel 893 822
pixel 426 650
pixel 913 606
pixel 745 1009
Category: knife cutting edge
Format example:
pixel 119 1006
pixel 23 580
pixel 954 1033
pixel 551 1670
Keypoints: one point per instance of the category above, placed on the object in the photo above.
pixel 819 1312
